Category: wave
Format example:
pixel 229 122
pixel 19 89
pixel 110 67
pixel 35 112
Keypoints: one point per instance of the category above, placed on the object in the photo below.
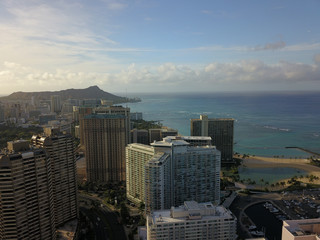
pixel 279 129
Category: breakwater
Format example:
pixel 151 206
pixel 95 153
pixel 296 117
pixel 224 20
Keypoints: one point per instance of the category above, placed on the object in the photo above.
pixel 305 150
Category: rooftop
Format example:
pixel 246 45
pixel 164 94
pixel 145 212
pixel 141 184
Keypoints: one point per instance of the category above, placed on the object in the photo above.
pixel 191 210
pixel 68 230
pixel 303 227
pixel 104 116
pixel 168 142
pixel 196 138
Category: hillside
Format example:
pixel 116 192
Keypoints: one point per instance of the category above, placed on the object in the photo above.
pixel 93 92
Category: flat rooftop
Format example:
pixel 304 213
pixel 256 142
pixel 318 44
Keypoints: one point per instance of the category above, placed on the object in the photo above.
pixel 195 138
pixel 303 227
pixel 205 211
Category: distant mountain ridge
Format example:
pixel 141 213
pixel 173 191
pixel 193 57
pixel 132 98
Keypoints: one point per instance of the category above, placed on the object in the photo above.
pixel 93 92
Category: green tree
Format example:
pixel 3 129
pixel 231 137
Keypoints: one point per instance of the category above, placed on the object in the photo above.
pixel 124 212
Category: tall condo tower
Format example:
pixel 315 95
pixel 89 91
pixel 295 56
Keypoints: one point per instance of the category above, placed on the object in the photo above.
pixel 60 148
pixel 105 138
pixel 56 104
pixel 26 196
pixel 172 171
pixel 221 132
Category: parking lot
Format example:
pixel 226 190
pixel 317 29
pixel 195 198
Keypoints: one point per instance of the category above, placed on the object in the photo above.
pixel 300 204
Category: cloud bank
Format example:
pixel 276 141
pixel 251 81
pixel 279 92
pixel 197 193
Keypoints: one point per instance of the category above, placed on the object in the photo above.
pixel 165 77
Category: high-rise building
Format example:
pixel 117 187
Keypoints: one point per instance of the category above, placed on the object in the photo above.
pixel 60 148
pixel 1 113
pixel 192 221
pixel 136 116
pixel 158 182
pixel 172 171
pixel 221 132
pixel 82 111
pixel 26 196
pixel 157 134
pixel 105 139
pixel 117 110
pixel 137 155
pixel 38 189
pixel 139 136
pixel 56 104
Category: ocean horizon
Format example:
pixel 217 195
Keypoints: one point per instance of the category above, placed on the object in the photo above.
pixel 265 122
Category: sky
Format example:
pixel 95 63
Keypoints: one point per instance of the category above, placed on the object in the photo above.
pixel 159 45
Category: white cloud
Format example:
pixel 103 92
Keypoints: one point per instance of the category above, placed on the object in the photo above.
pixel 115 4
pixel 38 34
pixel 206 11
pixel 270 46
pixel 281 45
pixel 317 58
pixel 303 47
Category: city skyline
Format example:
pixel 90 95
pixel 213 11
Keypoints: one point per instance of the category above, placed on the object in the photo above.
pixel 173 46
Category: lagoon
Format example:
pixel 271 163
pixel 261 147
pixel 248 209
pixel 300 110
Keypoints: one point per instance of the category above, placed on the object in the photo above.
pixel 271 175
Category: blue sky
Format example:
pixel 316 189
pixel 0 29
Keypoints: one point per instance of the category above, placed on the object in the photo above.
pixel 153 45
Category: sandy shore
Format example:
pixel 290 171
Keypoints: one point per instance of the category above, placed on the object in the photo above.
pixel 269 162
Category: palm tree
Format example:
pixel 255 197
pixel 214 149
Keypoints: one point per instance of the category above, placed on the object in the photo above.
pixel 261 180
pixel 272 185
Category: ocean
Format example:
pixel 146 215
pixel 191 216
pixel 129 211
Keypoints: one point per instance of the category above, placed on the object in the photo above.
pixel 265 123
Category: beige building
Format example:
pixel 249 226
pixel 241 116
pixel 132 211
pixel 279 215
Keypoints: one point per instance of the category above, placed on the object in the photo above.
pixel 82 111
pixel 26 195
pixel 221 132
pixel 137 155
pixel 105 139
pixel 192 221
pixel 304 229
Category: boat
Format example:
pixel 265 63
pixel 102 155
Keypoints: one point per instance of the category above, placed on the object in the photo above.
pixel 257 233
pixel 252 227
pixel 267 205
pixel 273 210
pixel 281 217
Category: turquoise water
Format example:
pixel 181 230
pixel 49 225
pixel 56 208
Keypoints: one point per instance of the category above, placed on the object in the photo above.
pixel 272 175
pixel 265 123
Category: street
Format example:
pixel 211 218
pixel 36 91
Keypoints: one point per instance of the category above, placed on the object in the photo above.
pixel 105 222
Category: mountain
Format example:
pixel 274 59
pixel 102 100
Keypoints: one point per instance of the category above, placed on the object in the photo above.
pixel 93 92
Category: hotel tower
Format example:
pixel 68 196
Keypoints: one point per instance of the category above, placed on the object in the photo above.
pixel 105 138
pixel 221 132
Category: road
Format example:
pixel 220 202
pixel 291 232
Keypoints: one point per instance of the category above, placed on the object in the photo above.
pixel 105 221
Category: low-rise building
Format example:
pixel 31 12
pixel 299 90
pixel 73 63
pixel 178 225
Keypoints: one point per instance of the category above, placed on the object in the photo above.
pixel 192 221
pixel 306 229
